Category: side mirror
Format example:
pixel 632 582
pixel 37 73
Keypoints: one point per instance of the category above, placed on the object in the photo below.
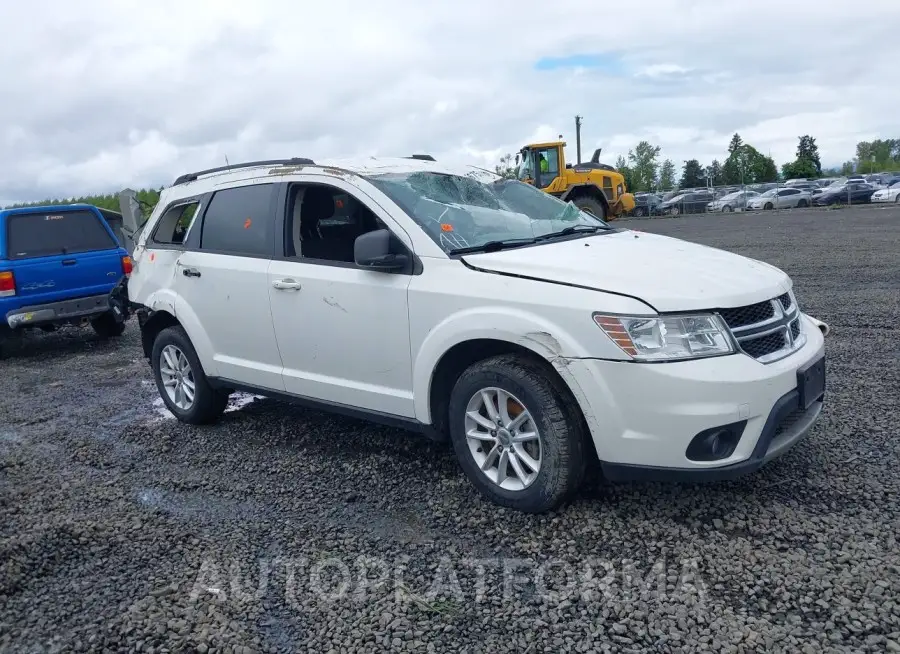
pixel 372 250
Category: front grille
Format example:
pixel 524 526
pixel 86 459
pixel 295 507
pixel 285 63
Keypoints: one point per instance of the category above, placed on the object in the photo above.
pixel 768 330
pixel 768 344
pixel 749 315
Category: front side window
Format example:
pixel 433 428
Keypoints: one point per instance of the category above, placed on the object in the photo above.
pixel 548 160
pixel 460 212
pixel 240 221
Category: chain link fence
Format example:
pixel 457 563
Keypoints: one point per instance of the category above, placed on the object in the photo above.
pixel 772 196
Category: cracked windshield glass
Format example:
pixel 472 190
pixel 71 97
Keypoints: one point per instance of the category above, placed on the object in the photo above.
pixel 465 214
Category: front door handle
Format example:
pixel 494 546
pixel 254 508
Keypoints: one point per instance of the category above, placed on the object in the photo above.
pixel 190 272
pixel 286 284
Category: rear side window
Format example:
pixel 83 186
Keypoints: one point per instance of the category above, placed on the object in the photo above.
pixel 240 221
pixel 47 234
pixel 175 223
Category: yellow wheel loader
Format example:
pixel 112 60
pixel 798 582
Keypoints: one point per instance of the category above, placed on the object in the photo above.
pixel 594 187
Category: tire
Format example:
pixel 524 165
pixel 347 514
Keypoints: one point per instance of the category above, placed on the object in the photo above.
pixel 897 198
pixel 674 211
pixel 639 212
pixel 727 208
pixel 208 403
pixel 592 206
pixel 802 204
pixel 560 443
pixel 769 206
pixel 106 326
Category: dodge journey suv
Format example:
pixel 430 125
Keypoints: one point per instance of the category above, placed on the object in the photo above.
pixel 534 336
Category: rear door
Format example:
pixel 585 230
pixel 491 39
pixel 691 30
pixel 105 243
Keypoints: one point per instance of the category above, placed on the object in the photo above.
pixel 222 285
pixel 62 254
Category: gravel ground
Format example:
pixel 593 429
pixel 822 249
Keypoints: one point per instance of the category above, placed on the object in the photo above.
pixel 284 530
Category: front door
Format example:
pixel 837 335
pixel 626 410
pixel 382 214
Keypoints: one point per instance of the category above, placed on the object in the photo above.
pixel 343 332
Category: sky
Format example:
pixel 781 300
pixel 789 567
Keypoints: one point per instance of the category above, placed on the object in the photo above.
pixel 98 95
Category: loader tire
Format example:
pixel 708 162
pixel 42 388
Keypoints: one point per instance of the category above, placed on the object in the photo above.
pixel 591 206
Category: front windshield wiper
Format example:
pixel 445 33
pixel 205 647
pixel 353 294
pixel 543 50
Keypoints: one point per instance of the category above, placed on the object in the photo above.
pixel 493 246
pixel 575 229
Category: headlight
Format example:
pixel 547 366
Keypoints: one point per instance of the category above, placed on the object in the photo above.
pixel 667 338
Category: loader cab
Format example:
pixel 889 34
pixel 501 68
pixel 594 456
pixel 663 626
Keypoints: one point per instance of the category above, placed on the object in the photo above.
pixel 541 164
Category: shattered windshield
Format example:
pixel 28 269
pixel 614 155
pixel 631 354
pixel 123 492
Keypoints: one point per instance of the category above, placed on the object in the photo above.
pixel 461 212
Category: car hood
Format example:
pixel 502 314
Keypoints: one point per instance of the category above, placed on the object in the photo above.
pixel 665 272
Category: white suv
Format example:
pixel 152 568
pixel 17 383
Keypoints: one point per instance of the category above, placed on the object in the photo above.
pixel 448 300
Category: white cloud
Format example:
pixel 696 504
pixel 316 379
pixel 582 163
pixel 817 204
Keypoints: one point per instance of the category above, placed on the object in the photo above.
pixel 102 93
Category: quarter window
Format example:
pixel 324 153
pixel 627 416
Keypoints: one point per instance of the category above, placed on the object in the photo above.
pixel 175 223
pixel 240 221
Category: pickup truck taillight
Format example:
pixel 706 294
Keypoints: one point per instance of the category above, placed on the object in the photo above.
pixel 7 284
pixel 127 266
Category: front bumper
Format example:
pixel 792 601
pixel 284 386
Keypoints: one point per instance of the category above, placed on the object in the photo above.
pixel 56 312
pixel 886 198
pixel 642 417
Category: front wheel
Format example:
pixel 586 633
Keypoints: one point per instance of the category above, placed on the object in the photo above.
pixel 591 206
pixel 180 379
pixel 517 437
pixel 639 212
pixel 727 208
pixel 769 206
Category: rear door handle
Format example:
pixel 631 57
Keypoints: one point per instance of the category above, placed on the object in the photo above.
pixel 190 272
pixel 69 262
pixel 286 284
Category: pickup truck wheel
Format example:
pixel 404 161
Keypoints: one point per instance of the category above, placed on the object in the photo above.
pixel 106 326
pixel 517 438
pixel 181 381
pixel 591 206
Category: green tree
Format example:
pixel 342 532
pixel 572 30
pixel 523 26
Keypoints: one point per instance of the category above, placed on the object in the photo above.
pixel 802 168
pixel 735 143
pixel 692 175
pixel 507 167
pixel 714 173
pixel 809 151
pixel 847 168
pixel 747 165
pixel 627 173
pixel 643 164
pixel 667 175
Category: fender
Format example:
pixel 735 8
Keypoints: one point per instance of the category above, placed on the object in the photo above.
pixel 527 330
pixel 167 300
pixel 601 196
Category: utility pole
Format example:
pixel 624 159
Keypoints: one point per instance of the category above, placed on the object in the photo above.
pixel 578 138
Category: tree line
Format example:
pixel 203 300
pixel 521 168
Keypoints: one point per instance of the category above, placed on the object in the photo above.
pixel 744 164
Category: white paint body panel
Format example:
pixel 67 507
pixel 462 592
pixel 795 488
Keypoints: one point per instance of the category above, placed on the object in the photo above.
pixel 371 340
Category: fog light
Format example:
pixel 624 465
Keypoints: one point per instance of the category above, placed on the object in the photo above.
pixel 716 443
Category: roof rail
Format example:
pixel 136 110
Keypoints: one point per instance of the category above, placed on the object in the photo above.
pixel 422 157
pixel 296 161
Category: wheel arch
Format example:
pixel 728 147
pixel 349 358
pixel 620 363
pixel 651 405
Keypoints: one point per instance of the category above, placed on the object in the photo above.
pixel 589 190
pixel 455 360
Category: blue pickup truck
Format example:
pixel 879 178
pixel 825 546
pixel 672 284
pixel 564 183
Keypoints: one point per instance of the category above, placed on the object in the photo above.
pixel 61 265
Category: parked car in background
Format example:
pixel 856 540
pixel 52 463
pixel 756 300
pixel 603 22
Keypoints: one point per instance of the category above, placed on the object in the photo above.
pixel 780 198
pixel 60 265
pixel 685 203
pixel 644 203
pixel 889 194
pixel 849 193
pixel 732 201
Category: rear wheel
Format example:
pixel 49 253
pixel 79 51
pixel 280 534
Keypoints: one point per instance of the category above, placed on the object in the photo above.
pixel 591 206
pixel 107 327
pixel 517 437
pixel 727 208
pixel 639 211
pixel 180 379
pixel 802 204
pixel 674 211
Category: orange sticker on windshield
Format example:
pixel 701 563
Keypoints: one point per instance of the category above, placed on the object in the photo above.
pixel 445 227
pixel 247 223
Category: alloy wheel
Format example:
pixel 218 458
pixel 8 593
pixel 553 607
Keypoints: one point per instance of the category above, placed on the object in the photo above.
pixel 503 438
pixel 177 377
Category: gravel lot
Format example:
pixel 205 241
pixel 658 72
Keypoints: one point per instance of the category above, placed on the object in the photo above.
pixel 285 530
